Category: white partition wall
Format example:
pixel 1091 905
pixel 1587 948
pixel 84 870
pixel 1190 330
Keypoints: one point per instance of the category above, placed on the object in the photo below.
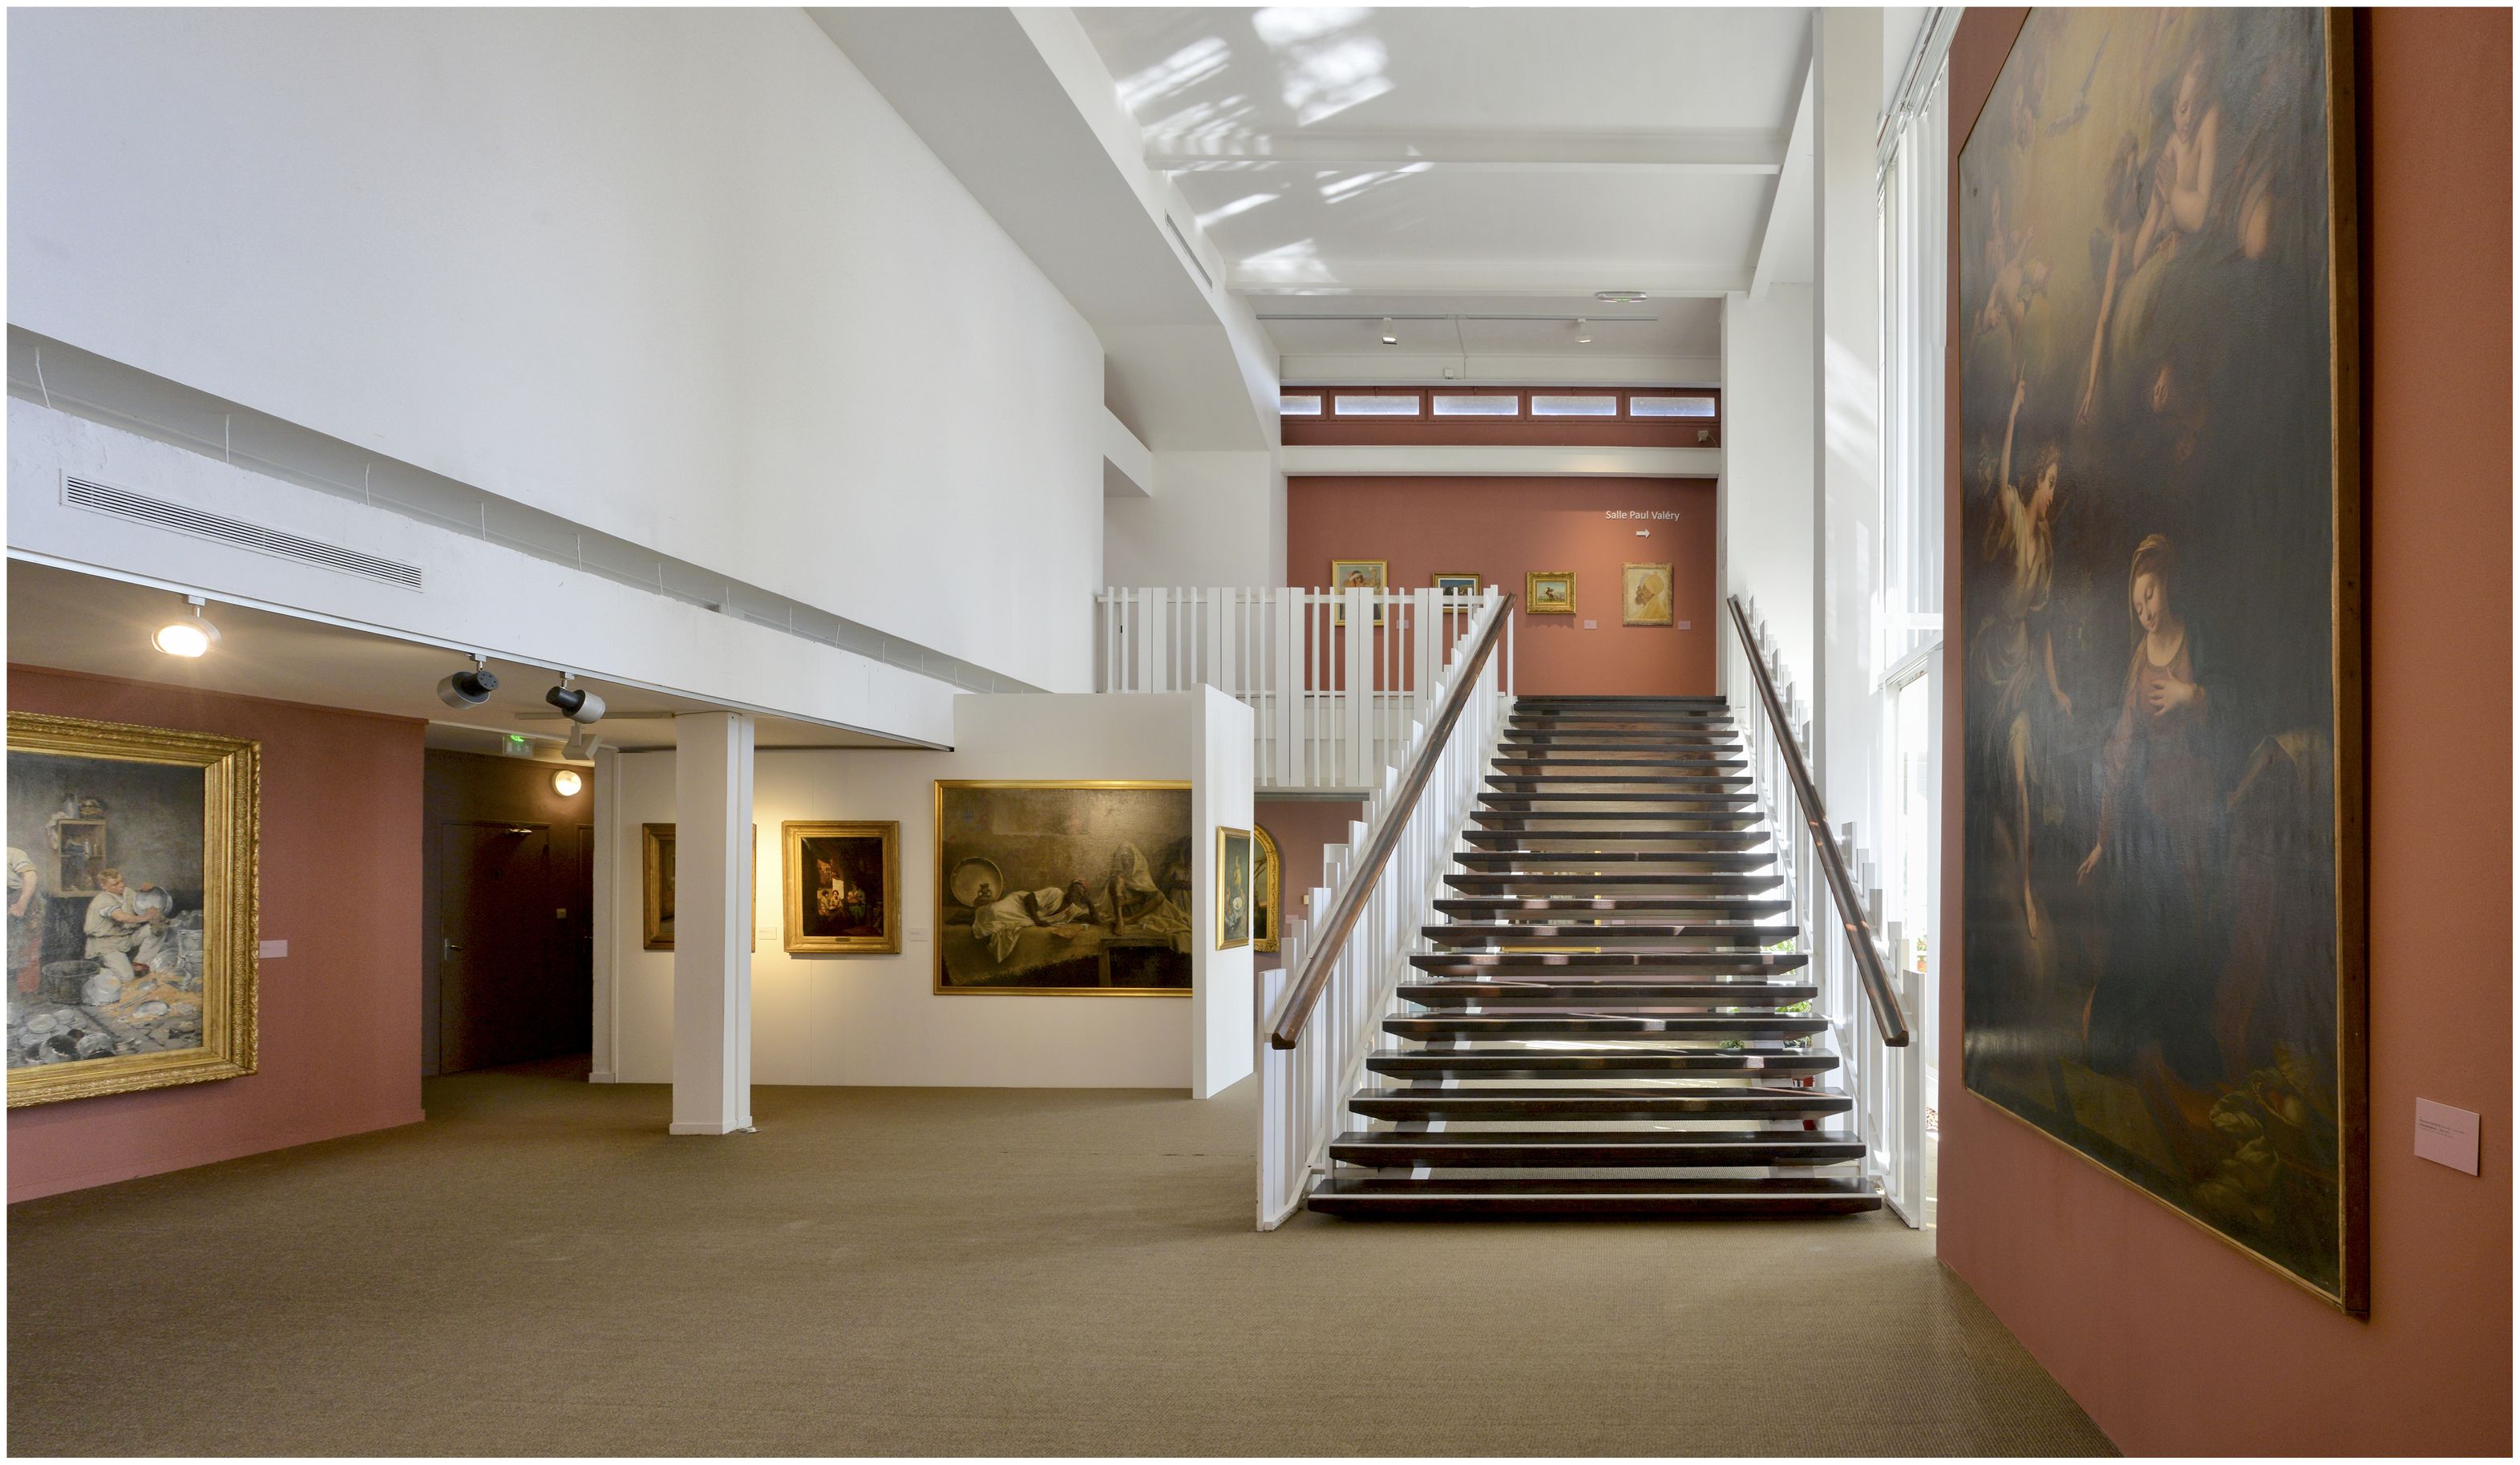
pixel 875 1019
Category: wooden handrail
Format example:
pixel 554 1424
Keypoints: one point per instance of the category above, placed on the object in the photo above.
pixel 1323 947
pixel 1877 991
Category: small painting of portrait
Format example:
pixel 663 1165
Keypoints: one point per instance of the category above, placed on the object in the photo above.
pixel 1645 595
pixel 1360 574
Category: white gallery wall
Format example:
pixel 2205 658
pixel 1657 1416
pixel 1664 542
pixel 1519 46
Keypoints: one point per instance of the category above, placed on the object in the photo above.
pixel 681 276
pixel 1211 519
pixel 1771 464
pixel 875 1019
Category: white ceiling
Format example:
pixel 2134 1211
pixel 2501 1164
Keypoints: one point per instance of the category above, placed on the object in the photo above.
pixel 1455 162
pixel 78 622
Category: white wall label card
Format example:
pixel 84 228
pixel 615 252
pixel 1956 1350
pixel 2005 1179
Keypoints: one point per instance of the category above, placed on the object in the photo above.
pixel 2445 1135
pixel 269 950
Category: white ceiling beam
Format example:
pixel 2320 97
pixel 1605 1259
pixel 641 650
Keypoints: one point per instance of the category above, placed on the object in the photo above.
pixel 1796 174
pixel 1706 151
pixel 1335 277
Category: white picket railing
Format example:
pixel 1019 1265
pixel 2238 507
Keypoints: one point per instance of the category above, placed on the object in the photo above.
pixel 1304 1090
pixel 1335 678
pixel 1886 1082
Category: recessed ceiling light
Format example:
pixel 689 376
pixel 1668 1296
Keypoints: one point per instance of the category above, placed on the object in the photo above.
pixel 1619 296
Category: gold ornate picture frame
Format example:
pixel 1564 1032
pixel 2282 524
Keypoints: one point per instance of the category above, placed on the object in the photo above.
pixel 1064 888
pixel 1352 574
pixel 1645 595
pixel 118 1034
pixel 840 892
pixel 1549 592
pixel 657 887
pixel 1234 863
pixel 1266 873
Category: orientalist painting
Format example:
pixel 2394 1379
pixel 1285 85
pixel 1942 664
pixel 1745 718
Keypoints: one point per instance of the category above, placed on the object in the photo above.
pixel 132 864
pixel 1466 586
pixel 844 886
pixel 657 886
pixel 2163 945
pixel 1233 887
pixel 1264 890
pixel 1645 595
pixel 1064 888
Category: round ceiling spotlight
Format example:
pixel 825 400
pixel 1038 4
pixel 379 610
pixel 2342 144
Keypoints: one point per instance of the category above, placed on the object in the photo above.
pixel 565 782
pixel 468 689
pixel 1620 296
pixel 187 638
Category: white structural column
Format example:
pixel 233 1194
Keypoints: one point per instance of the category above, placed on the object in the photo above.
pixel 1846 94
pixel 712 923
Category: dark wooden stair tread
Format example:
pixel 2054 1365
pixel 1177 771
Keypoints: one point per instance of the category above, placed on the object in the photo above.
pixel 1612 959
pixel 1626 990
pixel 1626 1062
pixel 1501 1103
pixel 1494 1025
pixel 1465 933
pixel 1504 1198
pixel 1490 880
pixel 1474 905
pixel 1515 1149
pixel 1516 859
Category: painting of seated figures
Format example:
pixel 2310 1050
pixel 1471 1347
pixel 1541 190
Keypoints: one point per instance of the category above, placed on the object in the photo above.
pixel 2162 946
pixel 1064 888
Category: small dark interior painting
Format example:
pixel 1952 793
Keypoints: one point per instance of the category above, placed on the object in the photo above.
pixel 2160 525
pixel 1081 889
pixel 844 886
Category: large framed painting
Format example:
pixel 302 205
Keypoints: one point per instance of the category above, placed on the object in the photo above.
pixel 1051 889
pixel 657 887
pixel 2163 946
pixel 1234 867
pixel 132 889
pixel 842 891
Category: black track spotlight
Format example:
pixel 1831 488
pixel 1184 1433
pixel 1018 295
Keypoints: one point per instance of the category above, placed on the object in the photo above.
pixel 575 704
pixel 468 689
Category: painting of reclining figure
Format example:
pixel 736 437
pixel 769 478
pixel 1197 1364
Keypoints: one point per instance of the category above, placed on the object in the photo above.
pixel 1064 888
pixel 2160 607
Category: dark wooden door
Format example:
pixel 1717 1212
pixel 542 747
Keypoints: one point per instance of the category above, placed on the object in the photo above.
pixel 512 986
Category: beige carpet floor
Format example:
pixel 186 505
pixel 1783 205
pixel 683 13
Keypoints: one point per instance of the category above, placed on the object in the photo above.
pixel 540 1269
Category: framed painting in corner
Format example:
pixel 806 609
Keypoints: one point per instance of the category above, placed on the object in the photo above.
pixel 657 887
pixel 2163 849
pixel 841 891
pixel 1265 874
pixel 136 971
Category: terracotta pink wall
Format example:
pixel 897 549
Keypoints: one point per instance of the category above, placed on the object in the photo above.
pixel 340 884
pixel 2172 1341
pixel 1501 528
pixel 1301 827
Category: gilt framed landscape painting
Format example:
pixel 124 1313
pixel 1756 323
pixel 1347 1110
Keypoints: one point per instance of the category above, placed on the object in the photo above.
pixel 2161 613
pixel 133 858
pixel 1079 889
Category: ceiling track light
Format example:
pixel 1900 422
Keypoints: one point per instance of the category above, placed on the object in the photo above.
pixel 1390 332
pixel 1583 332
pixel 187 638
pixel 580 707
pixel 469 689
pixel 1619 296
pixel 581 744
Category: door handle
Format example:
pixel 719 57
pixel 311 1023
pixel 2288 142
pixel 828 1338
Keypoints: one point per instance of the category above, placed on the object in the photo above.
pixel 451 949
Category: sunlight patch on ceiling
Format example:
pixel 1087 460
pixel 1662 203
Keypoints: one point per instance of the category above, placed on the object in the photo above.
pixel 1326 60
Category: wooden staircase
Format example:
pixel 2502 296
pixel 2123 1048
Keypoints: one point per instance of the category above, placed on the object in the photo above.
pixel 1606 1024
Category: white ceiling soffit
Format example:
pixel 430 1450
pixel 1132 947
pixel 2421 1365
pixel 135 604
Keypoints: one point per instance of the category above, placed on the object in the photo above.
pixel 1008 102
pixel 1461 155
pixel 70 621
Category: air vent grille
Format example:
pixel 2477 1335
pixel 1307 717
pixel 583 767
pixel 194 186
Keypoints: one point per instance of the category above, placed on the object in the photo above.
pixel 84 493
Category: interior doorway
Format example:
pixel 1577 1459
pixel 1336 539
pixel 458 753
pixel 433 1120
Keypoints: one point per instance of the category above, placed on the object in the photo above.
pixel 507 925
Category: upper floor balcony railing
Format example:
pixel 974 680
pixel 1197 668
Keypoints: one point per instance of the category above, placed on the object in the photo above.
pixel 1335 678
